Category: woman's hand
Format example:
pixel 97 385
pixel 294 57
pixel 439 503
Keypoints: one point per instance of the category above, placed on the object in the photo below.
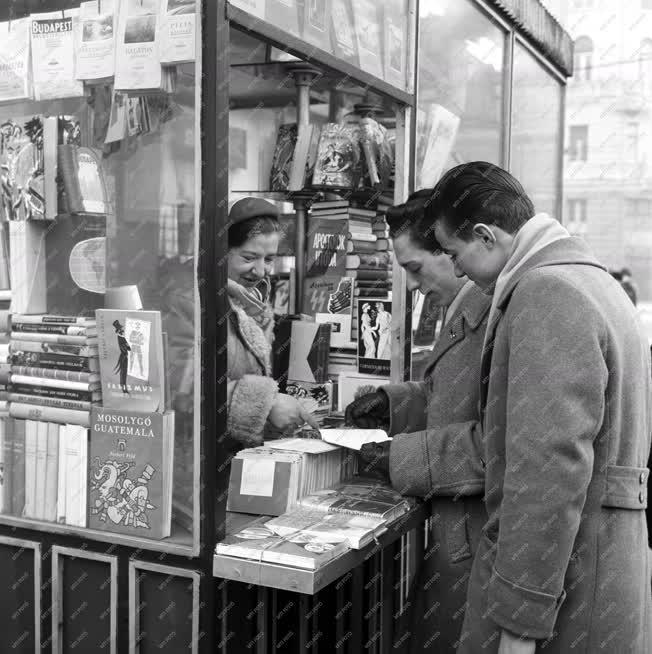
pixel 287 414
pixel 371 411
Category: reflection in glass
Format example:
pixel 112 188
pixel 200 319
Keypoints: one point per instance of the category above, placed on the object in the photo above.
pixel 460 88
pixel 536 133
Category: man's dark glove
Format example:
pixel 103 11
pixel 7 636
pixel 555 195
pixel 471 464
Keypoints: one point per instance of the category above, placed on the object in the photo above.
pixel 371 411
pixel 374 459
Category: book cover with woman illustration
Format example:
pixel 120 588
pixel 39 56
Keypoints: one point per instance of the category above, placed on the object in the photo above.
pixel 131 359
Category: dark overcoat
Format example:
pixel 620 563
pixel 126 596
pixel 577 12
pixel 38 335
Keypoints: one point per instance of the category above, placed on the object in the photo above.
pixel 435 454
pixel 566 423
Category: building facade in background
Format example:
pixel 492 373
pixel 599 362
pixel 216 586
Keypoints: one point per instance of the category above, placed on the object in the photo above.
pixel 608 139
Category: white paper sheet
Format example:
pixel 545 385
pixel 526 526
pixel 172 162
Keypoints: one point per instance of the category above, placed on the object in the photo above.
pixel 353 439
pixel 257 477
pixel 309 445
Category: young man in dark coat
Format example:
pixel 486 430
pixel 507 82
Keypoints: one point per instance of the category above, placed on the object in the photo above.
pixel 565 399
pixel 436 450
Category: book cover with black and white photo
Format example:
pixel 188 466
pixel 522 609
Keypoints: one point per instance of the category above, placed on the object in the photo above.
pixel 374 318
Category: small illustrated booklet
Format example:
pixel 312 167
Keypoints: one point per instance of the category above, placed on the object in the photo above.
pixel 130 457
pixel 131 359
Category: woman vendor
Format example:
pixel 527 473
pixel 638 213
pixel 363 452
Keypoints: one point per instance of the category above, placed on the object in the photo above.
pixel 256 409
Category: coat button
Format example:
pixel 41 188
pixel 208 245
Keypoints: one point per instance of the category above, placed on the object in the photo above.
pixel 641 497
pixel 452 334
pixel 642 478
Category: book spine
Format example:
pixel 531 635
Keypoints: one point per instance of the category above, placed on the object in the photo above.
pixel 56 320
pixel 62 393
pixel 54 383
pixel 51 472
pixel 18 467
pixel 54 348
pixel 58 403
pixel 56 361
pixel 32 412
pixel 30 465
pixel 44 329
pixel 41 453
pixel 53 338
pixel 52 373
pixel 62 481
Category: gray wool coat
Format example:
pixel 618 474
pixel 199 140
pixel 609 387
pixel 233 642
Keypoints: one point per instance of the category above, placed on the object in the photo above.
pixel 435 454
pixel 566 422
pixel 251 391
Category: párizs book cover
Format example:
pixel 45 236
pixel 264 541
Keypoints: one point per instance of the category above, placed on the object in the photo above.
pixel 131 359
pixel 338 157
pixel 130 477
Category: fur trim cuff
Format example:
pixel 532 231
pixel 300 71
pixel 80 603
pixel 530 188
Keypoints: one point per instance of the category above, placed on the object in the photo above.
pixel 251 401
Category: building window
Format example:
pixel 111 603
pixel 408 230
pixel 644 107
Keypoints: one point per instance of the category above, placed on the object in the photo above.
pixel 638 213
pixel 578 142
pixel 583 62
pixel 576 216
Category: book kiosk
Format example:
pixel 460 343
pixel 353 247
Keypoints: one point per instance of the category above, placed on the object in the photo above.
pixel 127 129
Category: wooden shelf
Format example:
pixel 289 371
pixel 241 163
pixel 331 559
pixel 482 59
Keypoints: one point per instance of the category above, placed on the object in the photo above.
pixel 299 580
pixel 179 542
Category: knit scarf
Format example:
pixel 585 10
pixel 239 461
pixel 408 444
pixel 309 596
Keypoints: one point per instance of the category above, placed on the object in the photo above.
pixel 537 233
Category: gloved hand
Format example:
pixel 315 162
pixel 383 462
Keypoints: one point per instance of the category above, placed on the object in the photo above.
pixel 374 459
pixel 371 411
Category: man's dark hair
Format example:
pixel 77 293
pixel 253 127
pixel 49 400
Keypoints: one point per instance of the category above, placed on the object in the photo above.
pixel 241 232
pixel 479 192
pixel 411 218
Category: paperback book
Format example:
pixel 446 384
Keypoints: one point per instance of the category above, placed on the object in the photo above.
pixel 53 40
pixel 15 75
pixel 96 47
pixel 338 157
pixel 131 476
pixel 374 321
pixel 131 359
pixel 178 31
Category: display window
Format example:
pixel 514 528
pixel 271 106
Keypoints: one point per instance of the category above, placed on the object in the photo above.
pixel 98 215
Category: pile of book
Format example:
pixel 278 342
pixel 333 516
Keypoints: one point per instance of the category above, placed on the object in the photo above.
pixel 54 374
pixel 271 479
pixel 348 514
pixel 44 470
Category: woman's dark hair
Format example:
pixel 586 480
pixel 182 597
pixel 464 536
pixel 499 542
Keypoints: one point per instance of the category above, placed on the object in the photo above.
pixel 410 218
pixel 479 192
pixel 242 231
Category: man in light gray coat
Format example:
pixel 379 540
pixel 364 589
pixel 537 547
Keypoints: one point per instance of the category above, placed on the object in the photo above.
pixel 436 450
pixel 564 564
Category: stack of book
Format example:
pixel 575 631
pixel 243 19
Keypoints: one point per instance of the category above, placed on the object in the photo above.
pixel 356 510
pixel 54 374
pixel 44 470
pixel 271 479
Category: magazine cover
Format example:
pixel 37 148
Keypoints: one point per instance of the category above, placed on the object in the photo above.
pixel 15 78
pixel 131 359
pixel 338 157
pixel 179 27
pixel 96 49
pixel 374 336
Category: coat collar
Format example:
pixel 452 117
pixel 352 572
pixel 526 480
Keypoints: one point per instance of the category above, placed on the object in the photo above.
pixel 471 312
pixel 571 250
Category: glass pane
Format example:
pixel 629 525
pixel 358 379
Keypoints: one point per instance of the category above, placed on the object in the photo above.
pixel 536 131
pixel 99 212
pixel 369 35
pixel 460 96
pixel 320 149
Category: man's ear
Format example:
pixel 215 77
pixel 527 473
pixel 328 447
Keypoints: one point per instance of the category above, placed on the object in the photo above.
pixel 485 234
